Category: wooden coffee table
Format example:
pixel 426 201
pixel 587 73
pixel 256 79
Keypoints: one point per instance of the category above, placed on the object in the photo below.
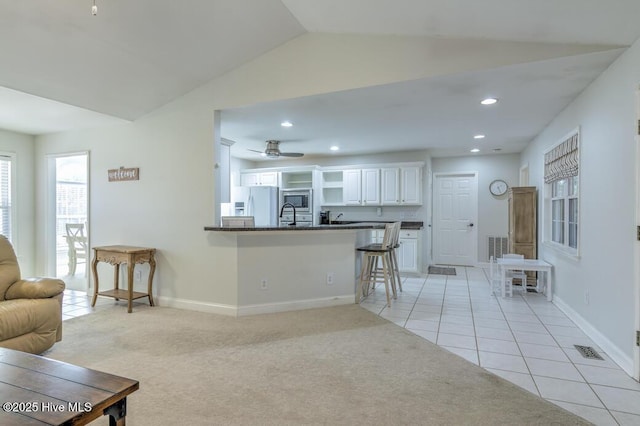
pixel 35 390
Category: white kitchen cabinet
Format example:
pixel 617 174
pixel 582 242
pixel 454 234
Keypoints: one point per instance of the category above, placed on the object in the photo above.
pixel 411 185
pixel 408 253
pixel 370 187
pixel 408 258
pixel 332 188
pixel 390 186
pixel 259 179
pixel 302 179
pixel 361 187
pixel 352 187
pixel 401 186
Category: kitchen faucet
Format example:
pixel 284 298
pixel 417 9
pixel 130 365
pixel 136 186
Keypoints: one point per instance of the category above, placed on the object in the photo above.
pixel 294 212
pixel 335 218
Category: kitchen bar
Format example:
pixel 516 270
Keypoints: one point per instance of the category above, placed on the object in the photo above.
pixel 273 269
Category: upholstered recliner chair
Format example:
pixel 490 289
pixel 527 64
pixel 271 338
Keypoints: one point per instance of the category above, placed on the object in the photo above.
pixel 30 309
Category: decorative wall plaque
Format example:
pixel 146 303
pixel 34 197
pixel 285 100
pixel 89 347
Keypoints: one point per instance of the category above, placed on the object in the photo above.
pixel 117 175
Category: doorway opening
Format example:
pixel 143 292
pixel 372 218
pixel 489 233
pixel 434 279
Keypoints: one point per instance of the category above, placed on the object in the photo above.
pixel 69 219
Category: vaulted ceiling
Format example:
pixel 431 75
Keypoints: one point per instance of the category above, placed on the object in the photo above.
pixel 62 68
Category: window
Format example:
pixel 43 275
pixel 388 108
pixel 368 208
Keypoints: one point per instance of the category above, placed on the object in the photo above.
pixel 564 212
pixel 6 195
pixel 562 191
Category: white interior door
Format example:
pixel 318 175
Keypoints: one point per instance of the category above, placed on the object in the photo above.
pixel 455 216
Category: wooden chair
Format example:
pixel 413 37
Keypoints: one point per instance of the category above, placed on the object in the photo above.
pixel 518 274
pixel 77 243
pixel 371 273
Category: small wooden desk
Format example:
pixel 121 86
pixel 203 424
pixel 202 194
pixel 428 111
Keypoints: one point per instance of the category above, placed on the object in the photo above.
pixel 116 255
pixel 527 265
pixel 40 391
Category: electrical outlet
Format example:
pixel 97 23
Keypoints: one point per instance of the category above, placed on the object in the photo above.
pixel 138 275
pixel 264 284
pixel 329 278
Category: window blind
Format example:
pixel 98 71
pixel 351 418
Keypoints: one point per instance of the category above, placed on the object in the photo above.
pixel 5 196
pixel 562 161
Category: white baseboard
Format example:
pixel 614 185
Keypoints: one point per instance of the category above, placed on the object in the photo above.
pixel 619 357
pixel 295 305
pixel 267 308
pixel 192 305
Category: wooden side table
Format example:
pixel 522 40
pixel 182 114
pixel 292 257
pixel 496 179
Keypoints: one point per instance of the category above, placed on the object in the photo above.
pixel 116 255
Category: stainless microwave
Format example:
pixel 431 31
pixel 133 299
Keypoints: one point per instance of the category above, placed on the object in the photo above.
pixel 299 198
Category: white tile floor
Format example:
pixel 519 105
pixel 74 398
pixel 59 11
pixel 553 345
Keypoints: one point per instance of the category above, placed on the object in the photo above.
pixel 525 340
pixel 77 303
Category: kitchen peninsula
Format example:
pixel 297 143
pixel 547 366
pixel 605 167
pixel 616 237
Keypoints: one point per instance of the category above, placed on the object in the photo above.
pixel 274 269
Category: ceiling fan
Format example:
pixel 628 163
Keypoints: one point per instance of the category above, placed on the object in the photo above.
pixel 273 151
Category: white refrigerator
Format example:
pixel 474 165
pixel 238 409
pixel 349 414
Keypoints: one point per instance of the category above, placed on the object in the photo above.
pixel 261 202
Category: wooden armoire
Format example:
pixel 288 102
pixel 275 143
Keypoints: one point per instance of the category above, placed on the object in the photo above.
pixel 523 229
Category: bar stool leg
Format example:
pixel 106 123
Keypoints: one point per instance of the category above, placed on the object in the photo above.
pixel 386 276
pixel 396 267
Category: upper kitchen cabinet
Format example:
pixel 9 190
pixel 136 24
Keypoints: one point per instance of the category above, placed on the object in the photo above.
pixel 373 186
pixel 361 187
pixel 411 185
pixel 297 179
pixel 259 178
pixel 332 188
pixel 370 187
pixel 352 187
pixel 401 186
pixel 390 186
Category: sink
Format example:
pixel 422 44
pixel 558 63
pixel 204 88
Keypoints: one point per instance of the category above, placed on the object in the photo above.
pixel 344 222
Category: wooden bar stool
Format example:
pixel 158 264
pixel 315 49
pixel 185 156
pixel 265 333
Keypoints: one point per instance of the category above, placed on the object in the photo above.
pixel 371 273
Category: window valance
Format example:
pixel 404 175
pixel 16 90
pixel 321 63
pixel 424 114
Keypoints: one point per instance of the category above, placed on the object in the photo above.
pixel 562 161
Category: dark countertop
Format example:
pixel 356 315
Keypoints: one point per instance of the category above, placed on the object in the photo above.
pixel 346 226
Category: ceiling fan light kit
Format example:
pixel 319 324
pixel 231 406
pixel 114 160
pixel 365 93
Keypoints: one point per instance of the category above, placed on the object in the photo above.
pixel 273 151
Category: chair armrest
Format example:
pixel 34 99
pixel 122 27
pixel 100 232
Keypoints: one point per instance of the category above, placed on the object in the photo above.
pixel 35 288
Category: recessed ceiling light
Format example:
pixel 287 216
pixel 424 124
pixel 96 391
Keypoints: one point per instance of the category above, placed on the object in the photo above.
pixel 335 148
pixel 475 150
pixel 488 101
pixel 478 136
pixel 286 124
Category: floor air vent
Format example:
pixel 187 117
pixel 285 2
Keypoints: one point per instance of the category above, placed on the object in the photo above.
pixel 588 352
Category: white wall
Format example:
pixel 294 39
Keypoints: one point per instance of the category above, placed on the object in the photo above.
pixel 24 238
pixel 606 114
pixel 493 212
pixel 173 146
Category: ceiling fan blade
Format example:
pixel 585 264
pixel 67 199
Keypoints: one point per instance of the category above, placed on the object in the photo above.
pixel 291 154
pixel 253 150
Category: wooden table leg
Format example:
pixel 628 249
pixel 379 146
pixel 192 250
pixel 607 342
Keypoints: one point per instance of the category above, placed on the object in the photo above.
pixel 152 269
pixel 117 413
pixel 94 268
pixel 116 278
pixel 130 267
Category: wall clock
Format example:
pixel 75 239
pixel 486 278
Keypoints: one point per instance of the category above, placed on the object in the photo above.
pixel 498 187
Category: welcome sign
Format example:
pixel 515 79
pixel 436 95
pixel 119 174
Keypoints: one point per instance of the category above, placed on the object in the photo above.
pixel 122 174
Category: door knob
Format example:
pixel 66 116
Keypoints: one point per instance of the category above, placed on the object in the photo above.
pixel 471 225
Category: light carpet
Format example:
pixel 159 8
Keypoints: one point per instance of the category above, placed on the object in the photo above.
pixel 331 366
